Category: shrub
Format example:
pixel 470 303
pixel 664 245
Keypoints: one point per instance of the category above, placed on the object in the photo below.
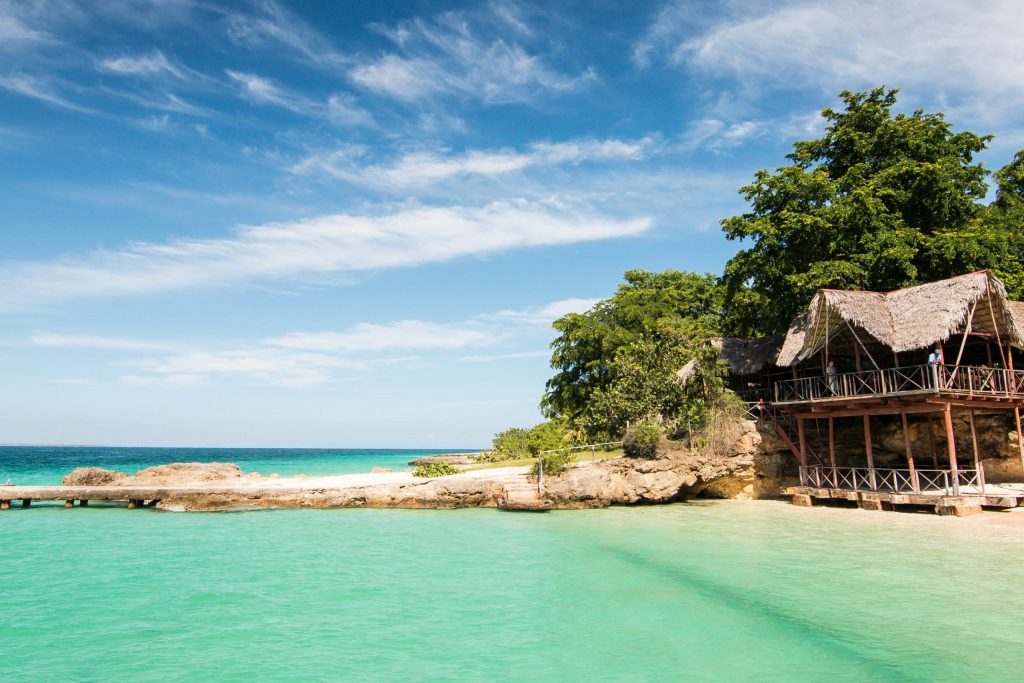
pixel 511 443
pixel 642 440
pixel 555 463
pixel 548 436
pixel 435 469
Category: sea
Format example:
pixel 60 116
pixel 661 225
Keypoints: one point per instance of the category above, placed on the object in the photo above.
pixel 699 591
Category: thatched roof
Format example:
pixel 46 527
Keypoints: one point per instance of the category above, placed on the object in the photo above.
pixel 748 355
pixel 742 355
pixel 906 319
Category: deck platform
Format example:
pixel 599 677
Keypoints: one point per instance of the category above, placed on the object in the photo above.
pixel 970 500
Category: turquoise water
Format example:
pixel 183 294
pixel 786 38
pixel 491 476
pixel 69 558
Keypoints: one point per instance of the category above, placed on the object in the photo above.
pixel 711 591
pixel 49 464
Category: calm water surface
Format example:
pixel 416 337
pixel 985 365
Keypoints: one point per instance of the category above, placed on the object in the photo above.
pixel 700 592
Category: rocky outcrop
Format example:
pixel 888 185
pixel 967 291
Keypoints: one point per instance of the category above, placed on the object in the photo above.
pixel 182 473
pixel 94 476
pixel 435 494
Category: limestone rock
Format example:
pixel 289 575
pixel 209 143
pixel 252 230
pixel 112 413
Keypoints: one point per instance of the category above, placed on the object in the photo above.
pixel 94 476
pixel 180 473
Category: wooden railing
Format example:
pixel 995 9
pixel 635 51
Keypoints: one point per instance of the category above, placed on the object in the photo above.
pixel 962 379
pixel 887 480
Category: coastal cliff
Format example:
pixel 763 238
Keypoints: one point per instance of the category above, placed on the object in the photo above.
pixel 752 468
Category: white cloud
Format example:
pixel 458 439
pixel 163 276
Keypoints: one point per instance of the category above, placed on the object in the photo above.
pixel 152 64
pixel 340 108
pixel 716 135
pixel 274 26
pixel 337 243
pixel 401 335
pixel 424 168
pixel 40 89
pixel 265 365
pixel 14 32
pixel 97 342
pixel 545 315
pixel 947 46
pixel 266 91
pixel 452 54
pixel 490 358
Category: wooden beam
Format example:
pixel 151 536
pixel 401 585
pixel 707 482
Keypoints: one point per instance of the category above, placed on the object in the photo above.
pixel 967 332
pixel 910 453
pixel 875 410
pixel 951 450
pixel 831 441
pixel 802 437
pixel 860 345
pixel 869 450
pixel 974 441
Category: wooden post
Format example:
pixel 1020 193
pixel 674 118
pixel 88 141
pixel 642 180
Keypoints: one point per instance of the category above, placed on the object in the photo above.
pixel 831 441
pixel 1016 409
pixel 69 503
pixel 870 451
pixel 951 449
pixel 802 438
pixel 977 457
pixel 910 455
pixel 988 352
pixel 856 356
pixel 5 505
pixel 931 443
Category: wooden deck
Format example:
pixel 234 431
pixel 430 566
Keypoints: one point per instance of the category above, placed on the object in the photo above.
pixel 968 503
pixel 977 384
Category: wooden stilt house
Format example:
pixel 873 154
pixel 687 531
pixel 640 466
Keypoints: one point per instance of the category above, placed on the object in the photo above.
pixel 879 344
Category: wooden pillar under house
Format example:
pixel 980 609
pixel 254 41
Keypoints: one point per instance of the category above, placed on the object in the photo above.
pixel 910 454
pixel 951 450
pixel 870 451
pixel 831 441
pixel 856 357
pixel 802 438
pixel 977 456
pixel 1016 410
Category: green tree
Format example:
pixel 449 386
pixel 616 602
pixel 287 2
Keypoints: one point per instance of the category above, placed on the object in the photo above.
pixel 1005 224
pixel 881 201
pixel 618 362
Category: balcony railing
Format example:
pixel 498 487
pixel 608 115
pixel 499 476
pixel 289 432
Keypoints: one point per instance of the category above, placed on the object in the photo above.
pixel 960 379
pixel 892 480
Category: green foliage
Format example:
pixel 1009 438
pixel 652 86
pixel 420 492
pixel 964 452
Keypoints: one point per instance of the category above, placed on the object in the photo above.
pixel 555 463
pixel 881 201
pixel 547 436
pixel 642 439
pixel 511 443
pixel 435 469
pixel 617 362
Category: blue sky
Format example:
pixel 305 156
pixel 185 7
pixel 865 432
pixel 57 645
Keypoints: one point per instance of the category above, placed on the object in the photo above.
pixel 350 224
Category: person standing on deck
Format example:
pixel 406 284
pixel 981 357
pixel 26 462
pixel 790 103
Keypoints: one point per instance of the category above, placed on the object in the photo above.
pixel 934 361
pixel 832 377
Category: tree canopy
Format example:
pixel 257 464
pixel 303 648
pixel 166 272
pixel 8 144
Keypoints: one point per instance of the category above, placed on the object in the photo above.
pixel 881 201
pixel 617 362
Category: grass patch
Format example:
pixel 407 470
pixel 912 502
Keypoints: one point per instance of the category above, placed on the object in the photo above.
pixel 581 456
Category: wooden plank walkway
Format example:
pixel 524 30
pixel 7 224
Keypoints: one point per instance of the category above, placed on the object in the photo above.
pixel 135 496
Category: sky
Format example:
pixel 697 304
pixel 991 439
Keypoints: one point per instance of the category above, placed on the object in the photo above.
pixel 350 224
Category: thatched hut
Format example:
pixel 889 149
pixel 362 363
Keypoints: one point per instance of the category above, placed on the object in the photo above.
pixel 901 327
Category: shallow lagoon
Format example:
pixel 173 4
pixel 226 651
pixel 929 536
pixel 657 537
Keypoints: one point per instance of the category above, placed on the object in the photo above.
pixel 723 590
